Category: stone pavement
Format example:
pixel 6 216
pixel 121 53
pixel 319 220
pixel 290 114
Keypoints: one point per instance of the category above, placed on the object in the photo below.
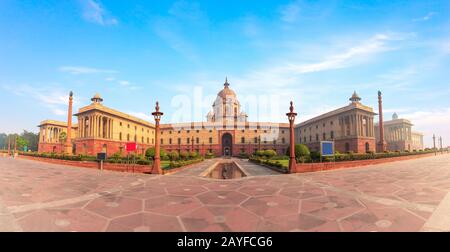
pixel 408 195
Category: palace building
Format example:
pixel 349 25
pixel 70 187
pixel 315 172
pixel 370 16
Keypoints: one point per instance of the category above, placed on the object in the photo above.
pixel 399 136
pixel 350 127
pixel 226 131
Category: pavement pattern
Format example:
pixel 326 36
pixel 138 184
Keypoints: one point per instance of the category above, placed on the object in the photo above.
pixel 410 195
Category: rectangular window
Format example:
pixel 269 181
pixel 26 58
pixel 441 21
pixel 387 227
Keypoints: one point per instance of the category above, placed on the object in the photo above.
pixel 162 141
pixel 188 140
pixel 317 137
pixel 197 140
pixel 256 140
pixel 210 140
pixel 332 134
pixel 324 136
pixel 170 140
pixel 242 139
pixel 179 140
pixel 283 140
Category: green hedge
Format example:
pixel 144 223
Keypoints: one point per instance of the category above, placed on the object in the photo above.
pixel 337 157
pixel 176 164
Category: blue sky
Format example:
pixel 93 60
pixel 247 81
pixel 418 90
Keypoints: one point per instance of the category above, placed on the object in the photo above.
pixel 315 53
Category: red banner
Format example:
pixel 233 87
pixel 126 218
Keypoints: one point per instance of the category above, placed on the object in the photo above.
pixel 131 147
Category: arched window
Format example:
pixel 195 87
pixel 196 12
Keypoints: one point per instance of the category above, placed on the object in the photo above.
pixel 367 147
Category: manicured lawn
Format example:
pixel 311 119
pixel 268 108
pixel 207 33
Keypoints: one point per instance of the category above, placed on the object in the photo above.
pixel 284 162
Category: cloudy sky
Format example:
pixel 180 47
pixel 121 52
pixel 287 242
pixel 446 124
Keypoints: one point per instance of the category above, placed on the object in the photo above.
pixel 315 53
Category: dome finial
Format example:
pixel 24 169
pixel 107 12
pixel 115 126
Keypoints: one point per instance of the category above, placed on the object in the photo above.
pixel 96 98
pixel 355 98
pixel 226 84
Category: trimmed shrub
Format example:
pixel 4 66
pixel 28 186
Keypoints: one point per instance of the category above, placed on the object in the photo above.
pixel 269 153
pixel 173 155
pixel 150 153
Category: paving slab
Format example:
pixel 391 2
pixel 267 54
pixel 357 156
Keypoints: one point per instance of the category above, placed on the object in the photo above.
pixel 410 195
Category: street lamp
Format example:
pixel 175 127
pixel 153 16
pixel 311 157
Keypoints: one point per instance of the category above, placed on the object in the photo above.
pixel 291 116
pixel 157 163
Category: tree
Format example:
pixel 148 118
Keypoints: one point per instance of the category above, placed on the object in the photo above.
pixel 21 143
pixel 32 139
pixel 62 137
pixel 3 141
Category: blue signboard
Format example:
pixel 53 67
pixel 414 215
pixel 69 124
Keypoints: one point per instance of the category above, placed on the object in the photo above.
pixel 327 148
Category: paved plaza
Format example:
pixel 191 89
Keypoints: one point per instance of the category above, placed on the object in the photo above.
pixel 408 195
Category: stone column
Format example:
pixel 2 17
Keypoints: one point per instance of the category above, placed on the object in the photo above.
pixel 68 147
pixel 381 143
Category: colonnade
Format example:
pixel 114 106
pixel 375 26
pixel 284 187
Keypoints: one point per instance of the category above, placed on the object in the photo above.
pixel 95 126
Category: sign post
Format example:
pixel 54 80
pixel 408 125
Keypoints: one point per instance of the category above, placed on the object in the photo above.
pixel 101 157
pixel 326 149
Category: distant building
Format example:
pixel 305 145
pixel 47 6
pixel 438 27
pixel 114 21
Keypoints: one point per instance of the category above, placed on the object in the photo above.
pixel 350 127
pixel 399 136
pixel 50 135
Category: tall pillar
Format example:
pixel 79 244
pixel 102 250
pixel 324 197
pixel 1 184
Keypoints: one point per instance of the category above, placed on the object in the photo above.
pixel 292 162
pixel 381 143
pixel 69 126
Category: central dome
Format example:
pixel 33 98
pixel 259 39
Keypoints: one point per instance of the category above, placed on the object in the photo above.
pixel 226 91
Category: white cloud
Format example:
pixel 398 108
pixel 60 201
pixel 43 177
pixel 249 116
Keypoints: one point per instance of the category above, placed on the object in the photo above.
pixel 170 32
pixel 94 12
pixel 429 122
pixel 110 79
pixel 376 44
pixel 55 99
pixel 290 13
pixel 83 70
pixel 124 83
pixel 145 116
pixel 425 18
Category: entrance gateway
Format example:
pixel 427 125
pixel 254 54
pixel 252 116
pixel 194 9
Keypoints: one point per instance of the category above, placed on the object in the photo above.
pixel 227 145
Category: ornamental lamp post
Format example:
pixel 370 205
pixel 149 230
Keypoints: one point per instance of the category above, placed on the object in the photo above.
pixel 434 144
pixel 157 162
pixel 291 116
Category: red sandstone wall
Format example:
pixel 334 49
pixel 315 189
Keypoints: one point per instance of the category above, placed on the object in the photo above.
pixel 50 147
pixel 312 167
pixel 94 165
